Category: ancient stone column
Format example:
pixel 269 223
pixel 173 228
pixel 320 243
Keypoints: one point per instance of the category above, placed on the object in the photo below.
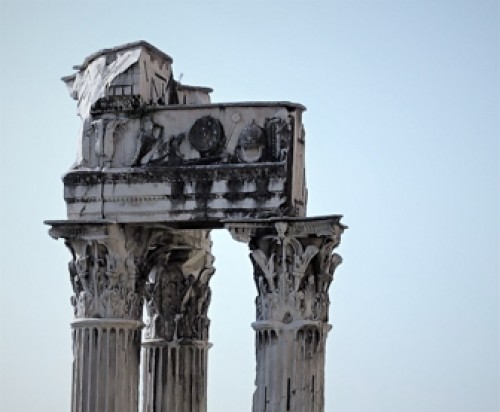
pixel 107 303
pixel 293 269
pixel 176 336
pixel 152 153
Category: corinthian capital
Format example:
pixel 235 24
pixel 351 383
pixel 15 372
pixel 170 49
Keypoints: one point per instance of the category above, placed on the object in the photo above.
pixel 105 269
pixel 177 287
pixel 293 265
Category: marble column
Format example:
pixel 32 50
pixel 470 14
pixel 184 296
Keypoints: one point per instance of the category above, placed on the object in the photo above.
pixel 107 303
pixel 293 269
pixel 176 344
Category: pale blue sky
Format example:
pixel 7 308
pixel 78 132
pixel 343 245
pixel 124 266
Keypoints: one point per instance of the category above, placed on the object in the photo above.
pixel 403 127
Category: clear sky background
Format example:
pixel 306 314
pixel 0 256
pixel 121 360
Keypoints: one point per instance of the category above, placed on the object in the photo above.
pixel 403 126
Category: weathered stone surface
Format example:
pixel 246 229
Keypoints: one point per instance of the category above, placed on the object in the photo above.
pixel 293 269
pixel 159 165
pixel 192 94
pixel 177 290
pixel 195 163
pixel 105 365
pixel 105 272
pixel 122 78
pixel 114 269
pixel 176 337
pixel 104 269
pixel 152 149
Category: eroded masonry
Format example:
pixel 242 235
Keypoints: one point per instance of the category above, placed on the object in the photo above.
pixel 159 167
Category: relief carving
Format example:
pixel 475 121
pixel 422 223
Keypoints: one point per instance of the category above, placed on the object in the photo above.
pixel 167 151
pixel 114 130
pixel 204 139
pixel 293 274
pixel 148 140
pixel 104 142
pixel 205 142
pixel 105 275
pixel 279 136
pixel 207 136
pixel 251 144
pixel 178 293
pixel 99 140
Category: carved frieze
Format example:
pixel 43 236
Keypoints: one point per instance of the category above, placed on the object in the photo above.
pixel 163 138
pixel 187 164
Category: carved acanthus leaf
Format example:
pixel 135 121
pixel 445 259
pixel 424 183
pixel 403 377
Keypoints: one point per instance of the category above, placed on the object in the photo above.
pixel 178 292
pixel 301 262
pixel 266 265
pixel 105 273
pixel 296 255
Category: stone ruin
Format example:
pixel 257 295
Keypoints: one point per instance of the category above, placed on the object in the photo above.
pixel 159 166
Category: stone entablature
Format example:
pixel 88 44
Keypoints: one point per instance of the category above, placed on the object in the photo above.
pixel 152 149
pixel 193 162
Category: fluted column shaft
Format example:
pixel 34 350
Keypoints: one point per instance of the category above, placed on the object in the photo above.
pixel 175 349
pixel 290 367
pixel 105 372
pixel 175 376
pixel 107 303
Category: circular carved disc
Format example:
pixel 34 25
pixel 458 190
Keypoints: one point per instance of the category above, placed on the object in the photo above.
pixel 206 134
